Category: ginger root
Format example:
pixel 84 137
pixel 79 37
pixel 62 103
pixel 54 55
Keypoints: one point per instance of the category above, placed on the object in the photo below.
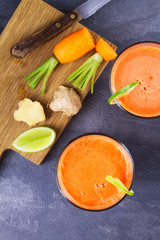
pixel 29 112
pixel 66 100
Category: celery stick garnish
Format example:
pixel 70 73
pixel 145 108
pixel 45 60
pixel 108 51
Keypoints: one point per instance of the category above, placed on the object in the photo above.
pixel 123 92
pixel 85 72
pixel 117 183
pixel 37 75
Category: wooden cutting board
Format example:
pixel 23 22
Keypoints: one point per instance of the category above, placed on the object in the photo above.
pixel 30 16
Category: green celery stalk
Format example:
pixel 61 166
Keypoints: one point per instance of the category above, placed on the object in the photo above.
pixel 37 75
pixel 85 72
pixel 81 76
pixel 79 70
pixel 50 69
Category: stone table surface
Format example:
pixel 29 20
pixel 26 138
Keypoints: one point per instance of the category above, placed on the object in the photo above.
pixel 31 205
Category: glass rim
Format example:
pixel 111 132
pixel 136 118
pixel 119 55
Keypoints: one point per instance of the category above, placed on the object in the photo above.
pixel 105 135
pixel 110 88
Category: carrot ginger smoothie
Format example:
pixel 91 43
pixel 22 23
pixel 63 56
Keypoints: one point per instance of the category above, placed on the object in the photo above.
pixel 83 167
pixel 140 62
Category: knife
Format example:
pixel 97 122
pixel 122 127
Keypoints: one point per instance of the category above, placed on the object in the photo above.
pixel 84 11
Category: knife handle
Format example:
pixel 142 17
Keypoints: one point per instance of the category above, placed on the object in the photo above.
pixel 29 43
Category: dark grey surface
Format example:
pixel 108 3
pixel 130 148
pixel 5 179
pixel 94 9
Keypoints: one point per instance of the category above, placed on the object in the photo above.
pixel 31 206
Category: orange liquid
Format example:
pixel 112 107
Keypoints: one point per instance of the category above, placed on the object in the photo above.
pixel 140 62
pixel 83 167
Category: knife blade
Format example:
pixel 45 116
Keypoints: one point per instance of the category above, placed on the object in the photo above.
pixel 84 11
pixel 89 7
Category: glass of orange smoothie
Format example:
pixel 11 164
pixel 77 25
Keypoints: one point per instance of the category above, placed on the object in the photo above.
pixel 140 62
pixel 83 167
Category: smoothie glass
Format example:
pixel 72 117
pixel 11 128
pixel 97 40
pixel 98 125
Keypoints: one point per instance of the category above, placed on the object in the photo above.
pixel 83 166
pixel 139 62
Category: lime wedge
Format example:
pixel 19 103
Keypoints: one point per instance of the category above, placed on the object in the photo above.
pixel 122 92
pixel 117 183
pixel 35 139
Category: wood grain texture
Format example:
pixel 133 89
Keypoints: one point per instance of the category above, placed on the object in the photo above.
pixel 29 17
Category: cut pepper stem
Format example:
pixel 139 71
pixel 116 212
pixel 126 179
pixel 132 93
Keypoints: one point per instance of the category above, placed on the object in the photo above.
pixel 85 72
pixel 37 75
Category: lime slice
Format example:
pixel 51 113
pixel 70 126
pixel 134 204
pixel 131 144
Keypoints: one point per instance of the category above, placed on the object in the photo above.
pixel 35 139
pixel 117 183
pixel 122 92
